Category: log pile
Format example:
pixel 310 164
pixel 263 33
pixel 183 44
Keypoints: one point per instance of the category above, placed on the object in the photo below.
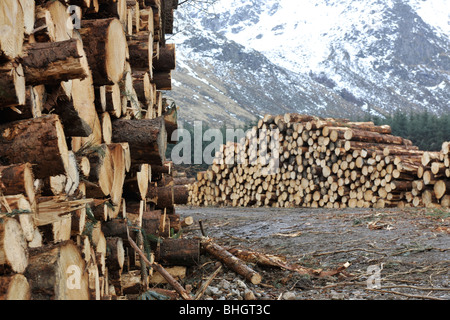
pixel 432 189
pixel 295 160
pixel 84 130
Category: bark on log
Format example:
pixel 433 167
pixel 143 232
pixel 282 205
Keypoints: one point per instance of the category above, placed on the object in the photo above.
pixel 178 252
pixel 141 51
pixel 17 179
pixel 105 46
pixel 115 257
pixel 39 141
pixel 163 80
pixel 231 261
pixel 166 60
pixel 147 139
pixel 181 194
pixel 12 85
pixel 53 62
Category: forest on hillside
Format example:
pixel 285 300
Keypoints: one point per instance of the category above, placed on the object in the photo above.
pixel 426 130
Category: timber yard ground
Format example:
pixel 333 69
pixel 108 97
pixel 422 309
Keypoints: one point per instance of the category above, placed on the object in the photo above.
pixel 406 250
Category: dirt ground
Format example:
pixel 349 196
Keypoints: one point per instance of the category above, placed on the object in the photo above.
pixel 409 248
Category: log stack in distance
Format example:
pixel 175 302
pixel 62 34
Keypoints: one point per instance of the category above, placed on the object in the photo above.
pixel 308 161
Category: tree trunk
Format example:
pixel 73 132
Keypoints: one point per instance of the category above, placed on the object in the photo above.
pixel 181 194
pixel 17 179
pixel 167 59
pixel 141 51
pixel 178 252
pixel 105 45
pixel 12 86
pixel 53 62
pixel 115 257
pixel 39 141
pixel 146 138
pixel 231 261
pixel 163 80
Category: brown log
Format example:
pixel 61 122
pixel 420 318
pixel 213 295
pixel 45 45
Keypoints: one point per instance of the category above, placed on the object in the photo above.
pixel 39 141
pixel 57 231
pixel 12 84
pixel 142 86
pixel 53 62
pixel 113 100
pixel 83 96
pixel 13 246
pixel 56 22
pixel 105 46
pixel 115 257
pixel 181 194
pixel 57 272
pixel 147 139
pixel 178 252
pixel 14 287
pixel 166 60
pixel 163 197
pixel 141 51
pixel 367 136
pixel 17 179
pixel 137 186
pixel 231 261
pixel 163 80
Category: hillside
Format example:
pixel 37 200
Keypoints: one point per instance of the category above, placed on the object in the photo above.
pixel 330 58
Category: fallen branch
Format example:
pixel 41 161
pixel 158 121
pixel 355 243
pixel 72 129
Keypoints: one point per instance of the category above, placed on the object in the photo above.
pixel 205 285
pixel 231 261
pixel 265 260
pixel 405 294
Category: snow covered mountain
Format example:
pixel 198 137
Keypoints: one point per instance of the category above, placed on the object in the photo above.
pixel 238 60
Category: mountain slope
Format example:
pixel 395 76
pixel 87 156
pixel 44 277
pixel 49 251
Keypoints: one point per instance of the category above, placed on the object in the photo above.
pixel 331 58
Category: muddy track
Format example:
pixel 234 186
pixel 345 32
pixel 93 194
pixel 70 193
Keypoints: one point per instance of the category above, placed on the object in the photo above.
pixel 393 254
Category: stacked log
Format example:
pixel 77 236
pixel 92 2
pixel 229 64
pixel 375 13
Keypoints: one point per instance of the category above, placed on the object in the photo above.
pixel 295 160
pixel 82 123
pixel 433 188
